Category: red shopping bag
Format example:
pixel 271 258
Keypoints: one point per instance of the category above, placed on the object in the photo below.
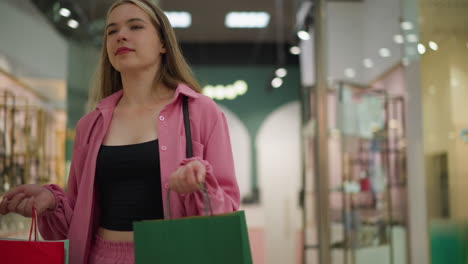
pixel 37 252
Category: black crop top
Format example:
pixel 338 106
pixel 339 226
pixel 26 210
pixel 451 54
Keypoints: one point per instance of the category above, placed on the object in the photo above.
pixel 128 179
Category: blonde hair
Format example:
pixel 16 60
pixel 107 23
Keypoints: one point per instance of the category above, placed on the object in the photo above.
pixel 174 69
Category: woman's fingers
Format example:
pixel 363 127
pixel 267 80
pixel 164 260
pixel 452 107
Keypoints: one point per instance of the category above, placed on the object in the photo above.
pixel 183 180
pixel 29 207
pixel 13 203
pixel 17 190
pixel 21 207
pixel 4 206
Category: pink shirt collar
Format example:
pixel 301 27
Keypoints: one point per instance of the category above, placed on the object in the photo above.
pixel 112 100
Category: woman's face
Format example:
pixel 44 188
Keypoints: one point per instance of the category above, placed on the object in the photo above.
pixel 132 40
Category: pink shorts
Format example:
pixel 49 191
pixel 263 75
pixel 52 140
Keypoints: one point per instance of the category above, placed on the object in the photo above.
pixel 110 252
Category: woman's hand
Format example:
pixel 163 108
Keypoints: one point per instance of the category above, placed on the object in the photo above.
pixel 187 178
pixel 23 198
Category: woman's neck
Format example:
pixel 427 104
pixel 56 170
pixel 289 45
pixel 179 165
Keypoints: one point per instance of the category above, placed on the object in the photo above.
pixel 140 89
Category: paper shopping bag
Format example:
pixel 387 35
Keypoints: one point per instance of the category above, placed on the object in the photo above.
pixel 196 240
pixel 15 251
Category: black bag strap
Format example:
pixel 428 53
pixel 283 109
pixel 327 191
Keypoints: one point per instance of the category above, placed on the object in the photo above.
pixel 188 131
pixel 189 153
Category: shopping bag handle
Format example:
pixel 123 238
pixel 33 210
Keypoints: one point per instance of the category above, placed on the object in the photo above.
pixel 33 225
pixel 206 202
pixel 189 154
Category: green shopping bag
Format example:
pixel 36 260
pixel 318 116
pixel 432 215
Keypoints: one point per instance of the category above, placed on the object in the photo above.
pixel 204 239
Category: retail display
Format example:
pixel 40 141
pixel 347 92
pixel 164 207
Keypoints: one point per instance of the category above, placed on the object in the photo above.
pixel 32 144
pixel 367 172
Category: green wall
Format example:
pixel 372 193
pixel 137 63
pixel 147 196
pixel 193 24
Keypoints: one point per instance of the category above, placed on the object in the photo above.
pixel 259 101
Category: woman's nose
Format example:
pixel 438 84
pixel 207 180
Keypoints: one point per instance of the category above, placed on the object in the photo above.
pixel 122 35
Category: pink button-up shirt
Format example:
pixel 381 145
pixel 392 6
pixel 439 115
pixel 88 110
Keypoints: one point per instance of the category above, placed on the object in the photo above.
pixel 76 216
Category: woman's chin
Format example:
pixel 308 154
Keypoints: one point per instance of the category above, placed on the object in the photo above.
pixel 127 68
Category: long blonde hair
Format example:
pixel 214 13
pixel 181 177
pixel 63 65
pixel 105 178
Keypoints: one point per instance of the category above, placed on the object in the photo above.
pixel 174 69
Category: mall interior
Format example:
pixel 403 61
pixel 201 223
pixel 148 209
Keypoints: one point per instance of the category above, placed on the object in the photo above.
pixel 348 118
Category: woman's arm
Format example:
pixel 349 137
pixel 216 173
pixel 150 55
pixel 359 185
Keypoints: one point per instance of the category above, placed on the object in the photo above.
pixel 54 224
pixel 220 179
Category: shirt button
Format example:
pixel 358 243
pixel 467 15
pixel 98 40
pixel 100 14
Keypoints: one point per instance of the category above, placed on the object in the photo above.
pixel 161 118
pixel 164 148
pixel 166 186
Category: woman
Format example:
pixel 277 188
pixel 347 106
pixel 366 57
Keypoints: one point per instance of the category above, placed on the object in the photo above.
pixel 130 150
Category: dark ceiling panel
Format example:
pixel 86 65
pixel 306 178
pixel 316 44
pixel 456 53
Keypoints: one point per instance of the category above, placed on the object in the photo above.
pixel 207 19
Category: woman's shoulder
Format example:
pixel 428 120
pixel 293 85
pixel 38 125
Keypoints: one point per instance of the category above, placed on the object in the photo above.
pixel 87 119
pixel 84 123
pixel 206 106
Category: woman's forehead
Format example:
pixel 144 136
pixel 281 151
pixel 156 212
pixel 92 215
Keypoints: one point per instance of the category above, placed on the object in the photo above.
pixel 125 12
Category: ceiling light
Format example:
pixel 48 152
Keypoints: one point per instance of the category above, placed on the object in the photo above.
pixel 179 19
pixel 281 72
pixel 295 50
pixel 405 61
pixel 385 52
pixel 230 93
pixel 368 63
pixel 209 91
pixel 303 35
pixel 277 82
pixel 64 12
pixel 241 87
pixel 350 73
pixel 73 23
pixel 412 38
pixel 219 92
pixel 433 45
pixel 398 39
pixel 407 25
pixel 247 20
pixel 421 49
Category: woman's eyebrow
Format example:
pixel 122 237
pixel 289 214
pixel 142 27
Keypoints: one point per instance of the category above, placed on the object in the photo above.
pixel 128 21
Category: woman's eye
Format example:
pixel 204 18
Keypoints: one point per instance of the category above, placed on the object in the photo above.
pixel 111 32
pixel 135 27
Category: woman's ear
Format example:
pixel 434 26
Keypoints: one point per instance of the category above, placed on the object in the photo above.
pixel 163 48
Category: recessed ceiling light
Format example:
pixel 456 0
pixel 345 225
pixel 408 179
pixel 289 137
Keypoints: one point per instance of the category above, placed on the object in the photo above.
pixel 405 61
pixel 73 23
pixel 368 63
pixel 421 49
pixel 350 73
pixel 295 50
pixel 277 82
pixel 433 45
pixel 384 52
pixel 247 20
pixel 412 38
pixel 64 12
pixel 407 25
pixel 281 72
pixel 179 19
pixel 398 39
pixel 304 35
